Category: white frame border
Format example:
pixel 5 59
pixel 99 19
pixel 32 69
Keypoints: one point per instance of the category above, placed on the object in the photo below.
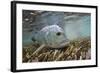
pixel 38 65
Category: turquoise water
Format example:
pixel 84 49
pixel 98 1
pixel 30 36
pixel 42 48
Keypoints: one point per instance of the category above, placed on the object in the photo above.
pixel 79 28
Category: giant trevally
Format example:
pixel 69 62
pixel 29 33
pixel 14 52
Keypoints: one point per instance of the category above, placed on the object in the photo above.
pixel 52 36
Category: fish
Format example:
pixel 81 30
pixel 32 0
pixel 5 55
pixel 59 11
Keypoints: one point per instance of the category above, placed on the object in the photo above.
pixel 52 36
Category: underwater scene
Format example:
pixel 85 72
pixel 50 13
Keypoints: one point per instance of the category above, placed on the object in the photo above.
pixel 55 36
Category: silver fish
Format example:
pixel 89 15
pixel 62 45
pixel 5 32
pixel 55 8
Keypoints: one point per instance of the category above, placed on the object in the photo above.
pixel 52 36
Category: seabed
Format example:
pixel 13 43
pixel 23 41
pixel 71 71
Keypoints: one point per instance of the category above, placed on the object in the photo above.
pixel 76 50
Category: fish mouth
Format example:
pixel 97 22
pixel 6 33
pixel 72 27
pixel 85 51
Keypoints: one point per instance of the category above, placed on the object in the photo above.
pixel 60 45
pixel 64 43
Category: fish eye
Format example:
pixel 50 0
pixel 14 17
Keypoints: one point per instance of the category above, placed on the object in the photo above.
pixel 58 33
